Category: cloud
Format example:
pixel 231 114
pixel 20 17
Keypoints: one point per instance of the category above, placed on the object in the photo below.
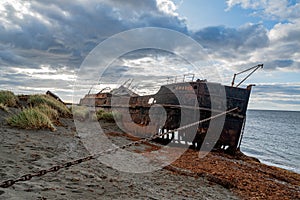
pixel 280 95
pixel 251 44
pixel 270 9
pixel 167 7
pixel 44 42
pixel 246 38
pixel 148 68
pixel 285 32
pixel 283 50
pixel 71 30
pixel 60 32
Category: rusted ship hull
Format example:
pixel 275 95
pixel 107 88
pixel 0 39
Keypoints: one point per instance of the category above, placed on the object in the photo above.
pixel 183 103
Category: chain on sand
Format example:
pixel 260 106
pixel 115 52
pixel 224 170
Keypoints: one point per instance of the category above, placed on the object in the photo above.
pixel 55 168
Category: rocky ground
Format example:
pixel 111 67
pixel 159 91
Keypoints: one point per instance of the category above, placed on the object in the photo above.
pixel 217 176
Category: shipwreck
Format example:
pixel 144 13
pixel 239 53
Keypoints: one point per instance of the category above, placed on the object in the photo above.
pixel 183 103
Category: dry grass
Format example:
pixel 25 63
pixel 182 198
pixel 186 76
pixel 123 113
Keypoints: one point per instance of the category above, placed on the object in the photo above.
pixel 31 118
pixel 62 109
pixel 8 98
pixel 42 112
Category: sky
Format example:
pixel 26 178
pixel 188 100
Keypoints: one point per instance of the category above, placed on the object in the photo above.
pixel 43 44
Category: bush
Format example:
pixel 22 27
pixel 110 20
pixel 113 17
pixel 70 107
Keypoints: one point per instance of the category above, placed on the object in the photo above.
pixel 7 98
pixel 36 100
pixel 31 118
pixel 107 116
pixel 99 112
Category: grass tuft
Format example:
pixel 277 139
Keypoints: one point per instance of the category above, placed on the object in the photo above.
pixel 49 112
pixel 107 116
pixel 8 98
pixel 31 118
pixel 62 109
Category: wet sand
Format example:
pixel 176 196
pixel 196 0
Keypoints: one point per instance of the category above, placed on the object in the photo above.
pixel 216 176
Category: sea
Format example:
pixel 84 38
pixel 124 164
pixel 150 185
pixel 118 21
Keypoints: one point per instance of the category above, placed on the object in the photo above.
pixel 273 137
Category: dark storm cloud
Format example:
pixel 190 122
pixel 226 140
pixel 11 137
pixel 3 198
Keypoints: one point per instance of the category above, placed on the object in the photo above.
pixel 71 30
pixel 73 35
pixel 8 58
pixel 64 33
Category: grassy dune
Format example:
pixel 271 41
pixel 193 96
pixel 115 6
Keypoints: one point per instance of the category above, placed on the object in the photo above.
pixel 31 118
pixel 8 98
pixel 40 111
pixel 39 99
pixel 51 113
pixel 43 111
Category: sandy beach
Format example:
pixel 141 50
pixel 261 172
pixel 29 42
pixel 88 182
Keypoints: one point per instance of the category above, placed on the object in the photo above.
pixel 26 151
pixel 217 176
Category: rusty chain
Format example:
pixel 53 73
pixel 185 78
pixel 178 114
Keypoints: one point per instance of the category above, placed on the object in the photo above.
pixel 56 168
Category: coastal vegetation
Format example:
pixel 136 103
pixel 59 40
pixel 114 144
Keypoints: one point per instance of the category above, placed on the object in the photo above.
pixel 83 113
pixel 38 99
pixel 32 118
pixel 41 111
pixel 51 113
pixel 8 98
pixel 107 116
pixel 34 111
